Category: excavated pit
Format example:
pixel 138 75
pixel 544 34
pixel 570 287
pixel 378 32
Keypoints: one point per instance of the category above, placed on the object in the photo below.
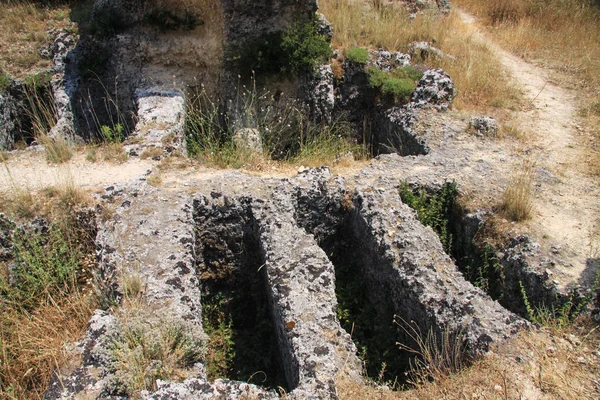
pixel 391 276
pixel 501 270
pixel 236 316
pixel 269 272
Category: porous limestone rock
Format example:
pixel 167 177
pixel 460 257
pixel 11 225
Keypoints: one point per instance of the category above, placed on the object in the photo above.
pixel 434 88
pixel 320 94
pixel 279 229
pixel 396 133
pixel 9 121
pixel 484 125
pixel 64 85
pixel 388 61
pixel 248 138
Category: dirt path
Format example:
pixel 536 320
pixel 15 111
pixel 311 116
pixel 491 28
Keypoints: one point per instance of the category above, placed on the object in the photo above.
pixel 30 171
pixel 566 200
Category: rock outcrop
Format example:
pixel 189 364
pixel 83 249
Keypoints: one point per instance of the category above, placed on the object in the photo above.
pixel 279 233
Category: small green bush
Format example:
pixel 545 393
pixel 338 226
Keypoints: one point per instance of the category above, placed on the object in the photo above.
pixel 358 55
pixel 297 50
pixel 142 352
pixel 399 88
pixel 376 77
pixel 433 209
pixel 46 265
pixel 304 48
pixel 398 84
pixel 113 135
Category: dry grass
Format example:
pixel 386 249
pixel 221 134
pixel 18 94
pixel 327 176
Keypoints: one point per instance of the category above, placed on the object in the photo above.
pixel 23 27
pixel 151 152
pixel 155 180
pixel 557 364
pixel 51 202
pixel 113 153
pixel 58 150
pixel 481 82
pixel 564 34
pixel 561 34
pixel 49 302
pixel 516 200
pixel 32 344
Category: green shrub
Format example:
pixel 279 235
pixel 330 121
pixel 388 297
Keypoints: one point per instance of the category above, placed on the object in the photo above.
pixel 399 88
pixel 376 77
pixel 304 48
pixel 398 84
pixel 433 209
pixel 142 352
pixel 358 55
pixel 113 135
pixel 47 264
pixel 297 50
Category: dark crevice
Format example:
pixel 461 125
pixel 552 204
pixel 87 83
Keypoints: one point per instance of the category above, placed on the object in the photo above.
pixel 236 310
pixel 366 308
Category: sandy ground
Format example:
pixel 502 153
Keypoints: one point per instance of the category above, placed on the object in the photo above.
pixel 29 170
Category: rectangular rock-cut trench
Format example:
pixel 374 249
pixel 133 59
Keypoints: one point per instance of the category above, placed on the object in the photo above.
pixel 235 306
pixel 365 308
pixel 387 264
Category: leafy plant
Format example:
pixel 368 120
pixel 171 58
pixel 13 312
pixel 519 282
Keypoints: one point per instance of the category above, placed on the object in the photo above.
pixel 114 134
pixel 46 265
pixel 358 55
pixel 399 88
pixel 304 48
pixel 398 84
pixel 297 50
pixel 558 316
pixel 433 209
pixel 220 347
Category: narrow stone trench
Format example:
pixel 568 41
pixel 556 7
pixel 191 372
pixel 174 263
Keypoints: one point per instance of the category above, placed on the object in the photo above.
pixel 368 317
pixel 235 308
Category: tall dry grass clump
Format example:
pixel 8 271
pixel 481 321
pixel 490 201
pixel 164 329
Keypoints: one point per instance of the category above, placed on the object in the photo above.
pixel 23 27
pixel 564 34
pixel 517 201
pixel 479 78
